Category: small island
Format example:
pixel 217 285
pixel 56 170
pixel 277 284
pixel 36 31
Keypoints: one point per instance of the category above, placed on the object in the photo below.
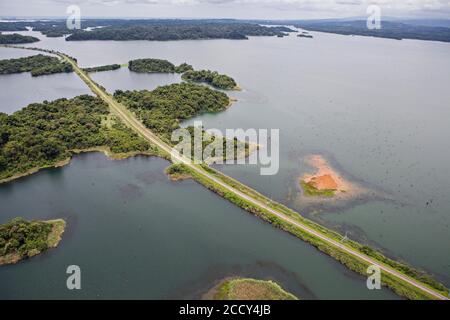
pixel 108 67
pixel 326 181
pixel 16 38
pixel 248 289
pixel 305 35
pixel 151 65
pixel 213 78
pixel 38 65
pixel 21 239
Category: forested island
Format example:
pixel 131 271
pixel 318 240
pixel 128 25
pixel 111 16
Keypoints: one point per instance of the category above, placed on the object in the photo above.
pixel 47 134
pixel 248 289
pixel 16 38
pixel 21 239
pixel 151 65
pixel 38 65
pixel 213 78
pixel 108 67
pixel 162 109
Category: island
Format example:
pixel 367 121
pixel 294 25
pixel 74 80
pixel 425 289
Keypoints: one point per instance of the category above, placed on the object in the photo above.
pixel 108 67
pixel 16 38
pixel 21 239
pixel 151 65
pixel 248 289
pixel 213 78
pixel 38 65
pixel 304 35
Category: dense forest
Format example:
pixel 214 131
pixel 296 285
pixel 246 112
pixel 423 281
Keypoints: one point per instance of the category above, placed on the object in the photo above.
pixel 21 239
pixel 108 67
pixel 16 38
pixel 389 29
pixel 38 65
pixel 178 31
pixel 212 78
pixel 157 65
pixel 162 109
pixel 43 134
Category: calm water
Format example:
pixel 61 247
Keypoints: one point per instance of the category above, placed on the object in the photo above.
pixel 377 108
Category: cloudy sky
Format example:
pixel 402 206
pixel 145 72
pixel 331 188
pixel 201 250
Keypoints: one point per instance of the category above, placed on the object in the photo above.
pixel 258 9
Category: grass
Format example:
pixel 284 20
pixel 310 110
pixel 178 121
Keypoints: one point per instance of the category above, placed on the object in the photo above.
pixel 311 191
pixel 251 289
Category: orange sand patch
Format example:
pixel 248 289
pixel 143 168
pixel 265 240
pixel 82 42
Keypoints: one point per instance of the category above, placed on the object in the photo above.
pixel 327 177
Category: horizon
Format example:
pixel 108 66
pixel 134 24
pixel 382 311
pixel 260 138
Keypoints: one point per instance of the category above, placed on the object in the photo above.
pixel 230 9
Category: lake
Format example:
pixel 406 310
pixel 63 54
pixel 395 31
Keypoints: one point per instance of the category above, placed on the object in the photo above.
pixel 378 109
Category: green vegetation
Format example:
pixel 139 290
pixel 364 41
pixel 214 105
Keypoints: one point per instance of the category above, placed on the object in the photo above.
pixel 108 67
pixel 16 38
pixel 182 68
pixel 213 78
pixel 157 65
pixel 45 134
pixel 38 65
pixel 251 289
pixel 162 109
pixel 310 190
pixel 21 239
pixel 176 30
pixel 176 171
pixel 360 266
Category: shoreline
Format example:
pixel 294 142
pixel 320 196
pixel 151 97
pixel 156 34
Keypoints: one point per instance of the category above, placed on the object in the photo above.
pixel 62 163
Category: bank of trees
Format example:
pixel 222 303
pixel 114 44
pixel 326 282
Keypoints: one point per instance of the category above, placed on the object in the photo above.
pixel 38 65
pixel 151 65
pixel 212 78
pixel 16 38
pixel 163 108
pixel 43 134
pixel 108 67
pixel 23 238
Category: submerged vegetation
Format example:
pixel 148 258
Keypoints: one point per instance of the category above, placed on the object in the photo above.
pixel 16 38
pixel 108 67
pixel 251 289
pixel 38 65
pixel 212 78
pixel 44 134
pixel 21 239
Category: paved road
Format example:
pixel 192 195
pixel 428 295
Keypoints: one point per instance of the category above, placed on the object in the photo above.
pixel 128 118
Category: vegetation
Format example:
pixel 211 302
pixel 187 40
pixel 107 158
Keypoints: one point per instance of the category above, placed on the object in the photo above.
pixel 177 171
pixel 162 109
pixel 177 30
pixel 389 29
pixel 38 65
pixel 251 289
pixel 16 38
pixel 44 134
pixel 311 191
pixel 20 239
pixel 213 78
pixel 157 65
pixel 151 65
pixel 108 67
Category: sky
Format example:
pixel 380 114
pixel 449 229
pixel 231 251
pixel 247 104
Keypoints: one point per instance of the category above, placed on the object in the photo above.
pixel 240 9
